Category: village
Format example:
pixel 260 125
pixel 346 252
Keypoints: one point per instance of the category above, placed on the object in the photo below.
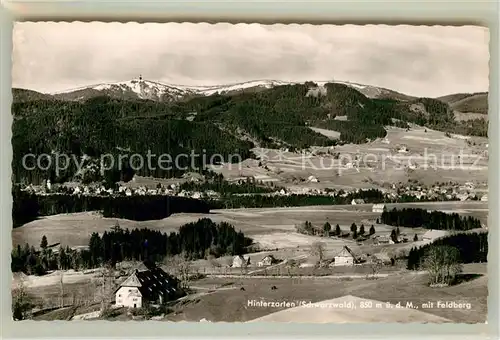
pixel 439 191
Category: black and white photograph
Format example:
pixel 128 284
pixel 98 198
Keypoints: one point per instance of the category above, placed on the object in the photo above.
pixel 225 172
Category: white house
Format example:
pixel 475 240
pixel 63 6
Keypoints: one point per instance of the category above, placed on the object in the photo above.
pixel 484 198
pixel 267 261
pixel 345 258
pixel 240 261
pixel 312 179
pixel 378 208
pixel 147 286
pixel 357 201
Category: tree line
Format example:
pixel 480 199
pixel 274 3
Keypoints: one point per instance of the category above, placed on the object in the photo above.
pixel 421 218
pixel 193 241
pixel 472 248
pixel 327 230
pixel 295 200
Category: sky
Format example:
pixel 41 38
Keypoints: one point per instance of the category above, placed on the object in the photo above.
pixel 425 61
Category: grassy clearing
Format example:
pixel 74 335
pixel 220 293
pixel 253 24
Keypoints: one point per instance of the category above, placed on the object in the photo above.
pixel 272 227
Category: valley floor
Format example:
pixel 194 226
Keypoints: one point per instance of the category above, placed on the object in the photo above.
pixel 226 299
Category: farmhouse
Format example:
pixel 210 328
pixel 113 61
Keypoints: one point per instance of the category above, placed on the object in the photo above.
pixel 345 257
pixel 433 234
pixel 312 179
pixel 240 261
pixel 357 201
pixel 148 286
pixel 267 261
pixel 384 240
pixel 378 208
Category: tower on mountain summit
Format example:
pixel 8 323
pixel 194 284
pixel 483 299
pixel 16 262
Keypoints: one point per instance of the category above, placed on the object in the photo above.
pixel 140 77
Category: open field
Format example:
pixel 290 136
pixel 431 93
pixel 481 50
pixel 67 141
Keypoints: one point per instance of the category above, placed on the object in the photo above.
pixel 219 298
pixel 271 227
pixel 431 157
pixel 232 305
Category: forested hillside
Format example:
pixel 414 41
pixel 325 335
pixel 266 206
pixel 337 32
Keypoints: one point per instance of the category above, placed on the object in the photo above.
pixel 216 124
pixel 468 102
pixel 23 95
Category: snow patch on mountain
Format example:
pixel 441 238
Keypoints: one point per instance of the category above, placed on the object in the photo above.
pixel 146 89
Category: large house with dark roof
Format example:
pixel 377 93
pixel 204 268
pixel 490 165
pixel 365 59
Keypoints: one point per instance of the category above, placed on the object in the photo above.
pixel 345 257
pixel 149 286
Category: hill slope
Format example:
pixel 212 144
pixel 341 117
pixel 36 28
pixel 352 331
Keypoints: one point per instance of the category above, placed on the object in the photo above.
pixel 174 121
pixel 468 102
pixel 24 95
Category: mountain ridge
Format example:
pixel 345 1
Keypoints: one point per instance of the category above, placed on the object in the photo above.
pixel 281 116
pixel 139 88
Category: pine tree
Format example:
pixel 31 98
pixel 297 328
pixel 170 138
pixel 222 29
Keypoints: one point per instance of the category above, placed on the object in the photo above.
pixel 378 222
pixel 394 236
pixel 327 228
pixel 372 230
pixel 355 234
pixel 337 230
pixel 411 259
pixel 44 242
pixel 362 229
pixel 415 238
